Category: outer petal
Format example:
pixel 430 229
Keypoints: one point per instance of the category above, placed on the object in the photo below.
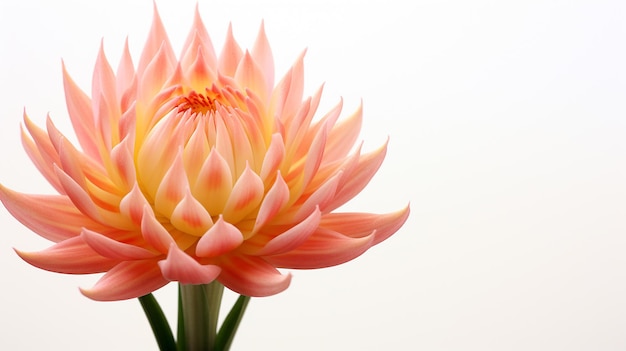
pixel 72 256
pixel 324 248
pixel 252 276
pixel 127 280
pixel 112 249
pixel 358 225
pixel 182 268
pixel 293 237
pixel 41 214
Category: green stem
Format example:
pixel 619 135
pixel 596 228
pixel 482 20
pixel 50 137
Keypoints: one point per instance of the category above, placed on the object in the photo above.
pixel 158 322
pixel 200 308
pixel 231 323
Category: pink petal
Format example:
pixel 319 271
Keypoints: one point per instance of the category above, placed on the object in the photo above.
pixel 180 267
pixel 81 115
pixel 249 75
pixel 133 204
pixel 353 182
pixel 230 55
pixel 214 183
pixel 246 195
pixel 172 188
pixel 123 164
pixel 156 74
pixel 320 198
pixel 127 280
pixel 274 201
pixel 190 216
pixel 157 41
pixel 221 238
pixel 287 95
pixel 358 225
pixel 154 233
pixel 41 214
pixel 125 74
pixel 343 136
pixel 198 37
pixel 80 198
pixel 71 256
pixel 41 152
pixel 293 237
pixel 199 73
pixel 113 249
pixel 325 248
pixel 252 276
pixel 273 157
pixel 262 55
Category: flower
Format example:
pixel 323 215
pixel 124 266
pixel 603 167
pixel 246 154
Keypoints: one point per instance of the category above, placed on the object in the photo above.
pixel 197 169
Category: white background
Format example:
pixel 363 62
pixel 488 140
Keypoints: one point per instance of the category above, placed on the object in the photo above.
pixel 507 124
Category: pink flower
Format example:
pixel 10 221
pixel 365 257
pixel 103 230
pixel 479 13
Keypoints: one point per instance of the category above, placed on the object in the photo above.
pixel 195 169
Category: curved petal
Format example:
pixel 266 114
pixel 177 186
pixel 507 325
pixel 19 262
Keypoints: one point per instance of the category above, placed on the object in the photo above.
pixel 230 55
pixel 220 239
pixel 41 213
pixel 293 237
pixel 358 225
pixel 325 248
pixel 274 201
pixel 262 55
pixel 71 256
pixel 190 216
pixel 153 231
pixel 180 267
pixel 246 195
pixel 127 280
pixel 252 276
pixel 113 249
pixel 353 182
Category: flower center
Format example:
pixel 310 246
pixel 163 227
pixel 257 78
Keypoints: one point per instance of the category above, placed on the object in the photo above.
pixel 197 103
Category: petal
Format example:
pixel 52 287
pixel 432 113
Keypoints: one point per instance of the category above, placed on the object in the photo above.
pixel 252 276
pixel 81 115
pixel 127 280
pixel 250 76
pixel 113 249
pixel 220 239
pixel 173 187
pixel 214 183
pixel 180 267
pixel 343 136
pixel 246 195
pixel 287 95
pixel 319 199
pixel 274 201
pixel 125 74
pixel 357 225
pixel 293 237
pixel 262 55
pixel 41 214
pixel 153 231
pixel 190 216
pixel 230 55
pixel 273 157
pixel 197 38
pixel 157 41
pixel 325 248
pixel 71 256
pixel 353 182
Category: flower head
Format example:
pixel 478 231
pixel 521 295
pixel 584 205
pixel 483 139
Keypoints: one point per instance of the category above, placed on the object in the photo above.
pixel 197 168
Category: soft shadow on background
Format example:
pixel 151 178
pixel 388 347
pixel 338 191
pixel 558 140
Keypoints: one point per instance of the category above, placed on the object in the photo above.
pixel 507 128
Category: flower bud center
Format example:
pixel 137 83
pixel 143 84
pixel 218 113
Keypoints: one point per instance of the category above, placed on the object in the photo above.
pixel 196 103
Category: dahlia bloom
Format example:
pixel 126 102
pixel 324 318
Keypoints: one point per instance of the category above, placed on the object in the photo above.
pixel 196 169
